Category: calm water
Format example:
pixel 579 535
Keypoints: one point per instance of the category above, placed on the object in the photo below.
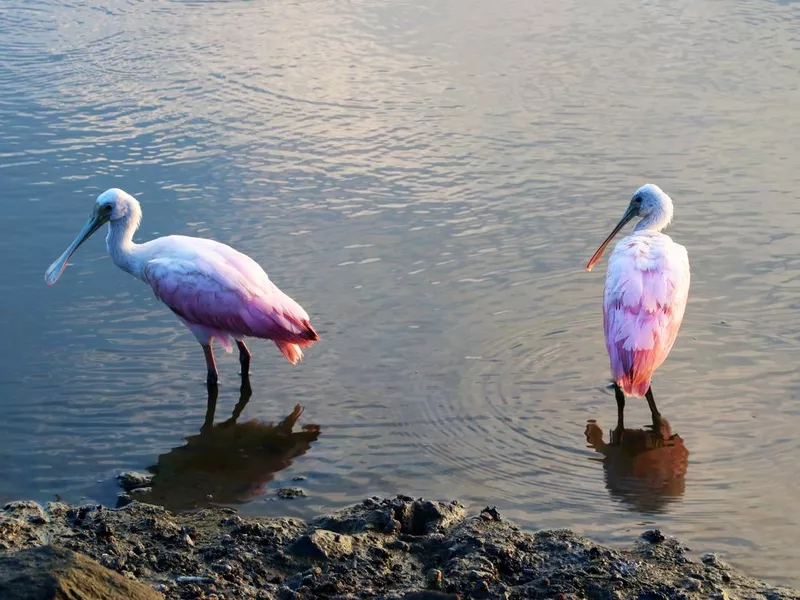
pixel 428 181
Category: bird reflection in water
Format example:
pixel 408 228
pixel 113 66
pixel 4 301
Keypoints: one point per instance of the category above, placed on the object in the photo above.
pixel 646 468
pixel 228 462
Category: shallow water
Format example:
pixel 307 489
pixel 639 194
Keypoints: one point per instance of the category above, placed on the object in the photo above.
pixel 428 181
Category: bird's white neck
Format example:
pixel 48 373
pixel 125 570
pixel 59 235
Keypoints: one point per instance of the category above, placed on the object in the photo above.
pixel 119 240
pixel 656 220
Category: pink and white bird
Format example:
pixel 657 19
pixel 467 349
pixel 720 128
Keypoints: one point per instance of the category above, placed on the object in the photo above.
pixel 647 286
pixel 217 292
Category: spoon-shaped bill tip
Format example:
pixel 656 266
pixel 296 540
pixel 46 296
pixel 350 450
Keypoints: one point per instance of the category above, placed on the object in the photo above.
pixel 55 270
pixel 595 258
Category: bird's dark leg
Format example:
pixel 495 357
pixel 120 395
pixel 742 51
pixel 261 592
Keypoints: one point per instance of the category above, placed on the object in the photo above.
pixel 616 437
pixel 211 408
pixel 651 401
pixel 244 358
pixel 211 365
pixel 245 392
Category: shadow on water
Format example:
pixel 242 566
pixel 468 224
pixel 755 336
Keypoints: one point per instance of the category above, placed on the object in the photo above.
pixel 227 462
pixel 646 471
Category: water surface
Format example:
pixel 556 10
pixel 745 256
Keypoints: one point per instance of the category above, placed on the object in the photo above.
pixel 428 180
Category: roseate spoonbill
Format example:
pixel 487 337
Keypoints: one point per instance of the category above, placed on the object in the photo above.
pixel 217 292
pixel 647 285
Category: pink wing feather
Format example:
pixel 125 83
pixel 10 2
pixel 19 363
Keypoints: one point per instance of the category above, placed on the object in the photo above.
pixel 647 286
pixel 210 291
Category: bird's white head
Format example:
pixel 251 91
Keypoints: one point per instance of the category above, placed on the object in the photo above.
pixel 112 206
pixel 652 205
pixel 117 204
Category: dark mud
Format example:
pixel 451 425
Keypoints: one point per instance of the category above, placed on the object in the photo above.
pixel 380 548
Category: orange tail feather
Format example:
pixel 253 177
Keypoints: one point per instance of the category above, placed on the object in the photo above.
pixel 291 351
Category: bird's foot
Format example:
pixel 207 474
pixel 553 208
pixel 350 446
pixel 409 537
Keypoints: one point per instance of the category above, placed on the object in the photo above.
pixel 657 424
pixel 617 434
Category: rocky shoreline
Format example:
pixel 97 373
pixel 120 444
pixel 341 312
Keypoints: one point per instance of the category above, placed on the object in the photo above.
pixel 398 548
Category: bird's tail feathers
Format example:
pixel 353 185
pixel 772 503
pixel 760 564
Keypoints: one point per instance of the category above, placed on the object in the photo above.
pixel 634 386
pixel 291 351
pixel 312 334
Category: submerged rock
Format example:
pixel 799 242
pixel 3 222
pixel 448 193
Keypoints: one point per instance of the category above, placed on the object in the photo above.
pixel 132 480
pixel 291 492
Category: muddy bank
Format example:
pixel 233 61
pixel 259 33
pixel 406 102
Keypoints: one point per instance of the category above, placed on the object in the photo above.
pixel 380 548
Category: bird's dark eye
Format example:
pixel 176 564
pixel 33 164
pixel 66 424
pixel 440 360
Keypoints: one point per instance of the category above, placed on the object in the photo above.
pixel 107 208
pixel 638 199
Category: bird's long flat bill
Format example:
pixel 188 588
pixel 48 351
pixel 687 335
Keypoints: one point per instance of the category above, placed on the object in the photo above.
pixel 55 270
pixel 629 214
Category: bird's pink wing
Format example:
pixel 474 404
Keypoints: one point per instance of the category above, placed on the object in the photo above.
pixel 209 291
pixel 647 286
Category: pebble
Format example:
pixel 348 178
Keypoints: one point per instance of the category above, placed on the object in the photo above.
pixel 481 587
pixel 434 577
pixel 222 568
pixel 194 579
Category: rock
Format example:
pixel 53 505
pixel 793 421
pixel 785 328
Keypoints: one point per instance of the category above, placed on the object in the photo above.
pixel 299 478
pixel 434 577
pixel 48 572
pixel 131 480
pixel 291 492
pixel 490 514
pixel 322 544
pixel 652 595
pixel 382 548
pixel 222 568
pixel 185 579
pixel 400 515
pixel 712 560
pixel 481 588
pixel 399 545
pixel 420 517
pixel 654 536
pixel 233 520
pixel 28 510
